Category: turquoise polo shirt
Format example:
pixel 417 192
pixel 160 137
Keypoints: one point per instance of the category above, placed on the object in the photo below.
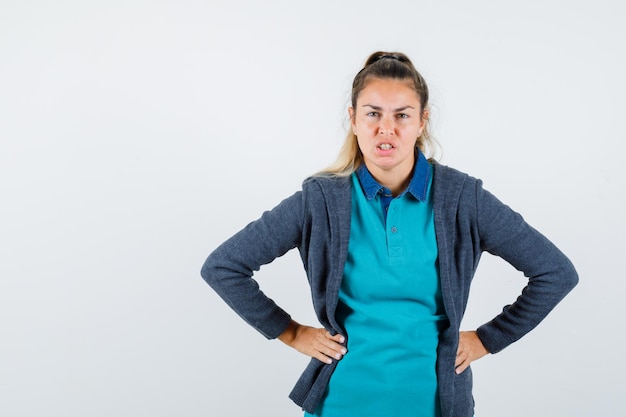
pixel 390 304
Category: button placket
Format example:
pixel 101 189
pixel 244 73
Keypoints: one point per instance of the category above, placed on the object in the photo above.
pixel 394 240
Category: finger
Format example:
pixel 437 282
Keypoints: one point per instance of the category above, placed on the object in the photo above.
pixel 318 351
pixel 333 349
pixel 329 352
pixel 462 361
pixel 460 358
pixel 322 358
pixel 334 354
pixel 461 367
pixel 337 338
pixel 332 343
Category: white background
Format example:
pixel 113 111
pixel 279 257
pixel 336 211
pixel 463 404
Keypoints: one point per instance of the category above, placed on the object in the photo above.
pixel 138 135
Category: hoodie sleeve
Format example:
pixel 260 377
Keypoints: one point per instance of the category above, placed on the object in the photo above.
pixel 551 275
pixel 230 267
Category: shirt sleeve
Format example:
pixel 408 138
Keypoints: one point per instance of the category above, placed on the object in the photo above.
pixel 551 275
pixel 230 267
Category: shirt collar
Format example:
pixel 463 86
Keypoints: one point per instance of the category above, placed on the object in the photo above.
pixel 418 186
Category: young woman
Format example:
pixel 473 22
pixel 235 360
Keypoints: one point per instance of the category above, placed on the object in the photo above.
pixel 390 241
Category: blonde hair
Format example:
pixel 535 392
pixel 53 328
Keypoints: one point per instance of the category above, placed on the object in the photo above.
pixel 394 65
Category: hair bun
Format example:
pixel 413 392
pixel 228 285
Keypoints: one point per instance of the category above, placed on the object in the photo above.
pixel 397 56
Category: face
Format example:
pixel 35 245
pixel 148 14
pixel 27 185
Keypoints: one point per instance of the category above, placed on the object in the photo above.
pixel 387 121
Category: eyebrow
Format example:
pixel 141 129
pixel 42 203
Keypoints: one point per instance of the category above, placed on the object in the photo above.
pixel 378 108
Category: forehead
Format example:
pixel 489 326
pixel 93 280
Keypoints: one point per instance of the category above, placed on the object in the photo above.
pixel 391 90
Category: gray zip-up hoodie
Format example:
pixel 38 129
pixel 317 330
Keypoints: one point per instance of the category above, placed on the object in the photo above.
pixel 468 221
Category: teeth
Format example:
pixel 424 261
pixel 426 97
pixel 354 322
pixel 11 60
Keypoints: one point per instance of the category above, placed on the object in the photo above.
pixel 385 146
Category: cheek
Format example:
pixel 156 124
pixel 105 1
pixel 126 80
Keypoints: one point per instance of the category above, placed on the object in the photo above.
pixel 367 127
pixel 362 144
pixel 413 130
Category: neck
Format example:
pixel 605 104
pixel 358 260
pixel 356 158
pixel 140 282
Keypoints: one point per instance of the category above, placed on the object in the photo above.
pixel 396 180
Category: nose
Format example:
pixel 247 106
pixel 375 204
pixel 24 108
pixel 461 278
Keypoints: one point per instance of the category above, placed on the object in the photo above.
pixel 385 127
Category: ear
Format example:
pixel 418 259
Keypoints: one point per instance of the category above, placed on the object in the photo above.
pixel 352 115
pixel 424 120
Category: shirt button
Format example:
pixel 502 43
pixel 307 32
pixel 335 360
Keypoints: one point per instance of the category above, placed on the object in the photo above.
pixel 394 229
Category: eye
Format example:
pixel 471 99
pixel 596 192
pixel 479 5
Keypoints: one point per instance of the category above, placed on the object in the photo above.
pixel 373 114
pixel 402 116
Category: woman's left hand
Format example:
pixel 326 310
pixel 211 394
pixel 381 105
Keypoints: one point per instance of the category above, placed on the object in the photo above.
pixel 470 349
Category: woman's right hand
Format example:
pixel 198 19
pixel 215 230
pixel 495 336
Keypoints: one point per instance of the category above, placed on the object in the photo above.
pixel 314 342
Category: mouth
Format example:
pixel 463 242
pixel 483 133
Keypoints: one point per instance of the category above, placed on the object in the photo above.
pixel 385 146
